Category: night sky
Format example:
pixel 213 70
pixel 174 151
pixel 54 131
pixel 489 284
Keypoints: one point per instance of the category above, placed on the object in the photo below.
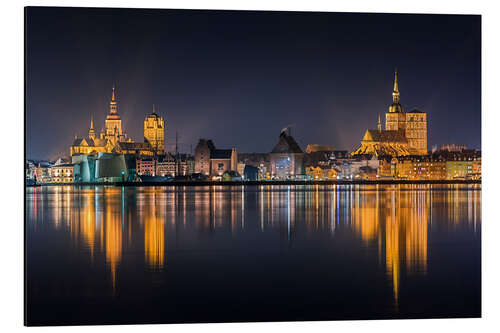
pixel 239 77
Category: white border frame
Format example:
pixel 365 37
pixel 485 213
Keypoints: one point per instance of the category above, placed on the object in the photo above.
pixel 12 196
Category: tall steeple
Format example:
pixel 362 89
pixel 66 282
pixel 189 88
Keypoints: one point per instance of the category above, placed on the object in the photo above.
pixel 91 130
pixel 113 122
pixel 379 124
pixel 395 92
pixel 395 107
pixel 113 103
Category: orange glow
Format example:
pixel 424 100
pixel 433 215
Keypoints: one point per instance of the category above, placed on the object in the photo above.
pixel 113 240
pixel 154 240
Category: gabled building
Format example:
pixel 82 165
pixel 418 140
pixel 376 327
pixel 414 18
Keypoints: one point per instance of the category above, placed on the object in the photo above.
pixel 214 162
pixel 287 158
pixel 222 160
pixel 383 142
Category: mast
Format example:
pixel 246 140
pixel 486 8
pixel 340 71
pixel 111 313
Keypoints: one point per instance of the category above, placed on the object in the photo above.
pixel 176 154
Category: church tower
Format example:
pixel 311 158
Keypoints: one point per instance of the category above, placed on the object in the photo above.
pixel 395 119
pixel 91 130
pixel 113 123
pixel 154 132
pixel 416 132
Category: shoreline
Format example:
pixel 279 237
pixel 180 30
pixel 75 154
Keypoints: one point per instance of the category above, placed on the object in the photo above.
pixel 268 183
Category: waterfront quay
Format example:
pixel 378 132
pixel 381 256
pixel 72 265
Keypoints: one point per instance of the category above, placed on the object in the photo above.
pixel 270 183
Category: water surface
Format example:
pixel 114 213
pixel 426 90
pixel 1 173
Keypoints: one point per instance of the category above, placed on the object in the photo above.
pixel 110 255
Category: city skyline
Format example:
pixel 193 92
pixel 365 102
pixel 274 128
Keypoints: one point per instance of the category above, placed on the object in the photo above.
pixel 258 85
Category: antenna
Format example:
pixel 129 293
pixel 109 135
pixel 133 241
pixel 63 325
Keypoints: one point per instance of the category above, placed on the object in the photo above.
pixel 176 154
pixel 176 145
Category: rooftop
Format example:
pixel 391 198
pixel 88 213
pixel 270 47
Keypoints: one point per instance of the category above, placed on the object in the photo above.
pixel 286 145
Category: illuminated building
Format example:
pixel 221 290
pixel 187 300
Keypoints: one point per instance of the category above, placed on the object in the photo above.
pixel 321 173
pixel 30 169
pixel 214 162
pixel 442 165
pixel 61 173
pixel 167 164
pixel 146 166
pixel 223 160
pixel 91 144
pixel 464 164
pixel 476 168
pixel 413 168
pixel 311 148
pixel 387 167
pixel 405 132
pixel 256 160
pixel 41 173
pixel 113 123
pixel 134 148
pixel 154 132
pixel 416 132
pixel 363 166
pixel 287 158
pixel 231 175
pixel 112 139
pixel 453 147
pixel 383 142
pixel 459 169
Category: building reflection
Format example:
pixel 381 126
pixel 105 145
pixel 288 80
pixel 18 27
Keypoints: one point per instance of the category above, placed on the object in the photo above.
pixel 113 230
pixel 96 225
pixel 154 232
pixel 394 220
pixel 87 222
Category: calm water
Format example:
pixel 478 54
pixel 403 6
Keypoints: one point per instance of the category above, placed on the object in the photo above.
pixel 246 253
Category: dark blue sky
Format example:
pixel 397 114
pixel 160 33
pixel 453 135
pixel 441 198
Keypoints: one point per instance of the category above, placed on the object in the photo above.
pixel 240 77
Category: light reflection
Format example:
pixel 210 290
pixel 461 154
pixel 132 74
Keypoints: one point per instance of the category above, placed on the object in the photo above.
pixel 113 232
pixel 395 220
pixel 154 237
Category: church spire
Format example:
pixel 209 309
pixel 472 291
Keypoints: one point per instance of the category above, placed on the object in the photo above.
pixel 91 130
pixel 113 103
pixel 379 124
pixel 395 92
pixel 154 110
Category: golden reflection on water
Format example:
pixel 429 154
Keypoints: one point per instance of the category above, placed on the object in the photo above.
pixel 395 219
pixel 154 233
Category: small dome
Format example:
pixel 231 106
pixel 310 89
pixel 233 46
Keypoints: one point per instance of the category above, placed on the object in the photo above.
pixel 395 108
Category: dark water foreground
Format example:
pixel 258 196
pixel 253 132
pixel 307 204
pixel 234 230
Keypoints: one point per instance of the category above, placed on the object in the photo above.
pixel 115 255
